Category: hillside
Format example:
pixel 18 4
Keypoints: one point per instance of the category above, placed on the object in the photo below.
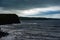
pixel 37 18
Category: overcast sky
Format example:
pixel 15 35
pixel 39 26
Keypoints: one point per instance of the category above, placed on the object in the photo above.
pixel 31 8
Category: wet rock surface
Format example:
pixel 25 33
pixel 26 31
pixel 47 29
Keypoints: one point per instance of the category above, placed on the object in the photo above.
pixel 3 34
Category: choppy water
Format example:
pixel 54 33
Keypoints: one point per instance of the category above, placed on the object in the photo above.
pixel 33 30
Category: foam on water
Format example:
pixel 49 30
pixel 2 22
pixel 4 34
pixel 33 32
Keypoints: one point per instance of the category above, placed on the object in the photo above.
pixel 31 31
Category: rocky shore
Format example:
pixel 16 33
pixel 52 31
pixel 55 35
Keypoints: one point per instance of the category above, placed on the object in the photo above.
pixel 3 34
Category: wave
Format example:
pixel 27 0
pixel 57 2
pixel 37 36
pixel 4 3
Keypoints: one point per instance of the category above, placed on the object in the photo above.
pixel 31 31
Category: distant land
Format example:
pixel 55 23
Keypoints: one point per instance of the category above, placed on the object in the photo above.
pixel 37 18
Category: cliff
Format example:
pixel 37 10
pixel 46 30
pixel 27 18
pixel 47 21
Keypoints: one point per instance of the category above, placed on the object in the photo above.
pixel 8 19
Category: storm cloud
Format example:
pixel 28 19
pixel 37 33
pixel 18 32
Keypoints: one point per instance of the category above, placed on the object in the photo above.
pixel 41 8
pixel 28 4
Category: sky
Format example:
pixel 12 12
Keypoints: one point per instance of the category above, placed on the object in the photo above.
pixel 31 8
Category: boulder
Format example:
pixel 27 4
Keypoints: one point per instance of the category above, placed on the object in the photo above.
pixel 3 34
pixel 9 19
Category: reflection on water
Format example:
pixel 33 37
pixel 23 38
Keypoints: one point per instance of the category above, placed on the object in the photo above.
pixel 44 30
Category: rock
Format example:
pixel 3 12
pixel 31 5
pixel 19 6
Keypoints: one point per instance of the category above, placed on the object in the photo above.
pixel 3 34
pixel 9 19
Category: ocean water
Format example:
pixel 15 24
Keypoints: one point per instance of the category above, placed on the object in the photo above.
pixel 33 30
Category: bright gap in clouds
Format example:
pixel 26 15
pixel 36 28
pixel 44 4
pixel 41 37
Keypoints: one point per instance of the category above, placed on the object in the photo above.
pixel 35 11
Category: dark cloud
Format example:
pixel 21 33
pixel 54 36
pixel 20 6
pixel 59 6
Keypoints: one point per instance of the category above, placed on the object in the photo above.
pixel 47 13
pixel 26 4
pixel 51 12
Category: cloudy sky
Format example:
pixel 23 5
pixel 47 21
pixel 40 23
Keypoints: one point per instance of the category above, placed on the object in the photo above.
pixel 31 8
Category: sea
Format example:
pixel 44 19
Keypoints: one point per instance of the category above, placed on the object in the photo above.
pixel 32 30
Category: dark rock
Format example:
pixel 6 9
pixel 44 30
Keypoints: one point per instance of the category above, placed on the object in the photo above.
pixel 3 34
pixel 8 19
